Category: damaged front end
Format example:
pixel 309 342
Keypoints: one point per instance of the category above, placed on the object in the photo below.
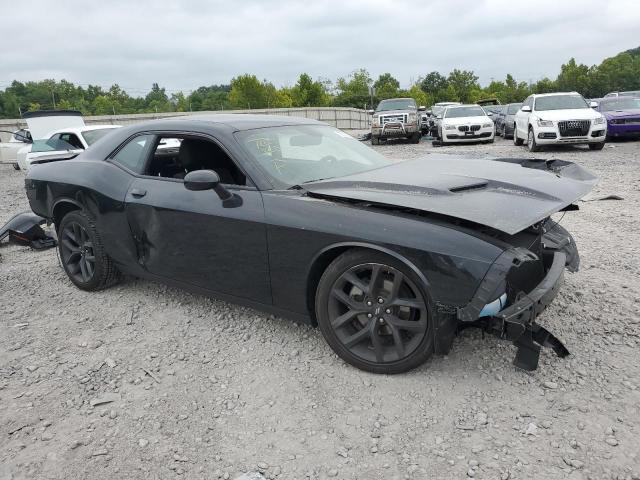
pixel 519 286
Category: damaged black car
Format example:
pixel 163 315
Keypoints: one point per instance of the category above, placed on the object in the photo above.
pixel 297 218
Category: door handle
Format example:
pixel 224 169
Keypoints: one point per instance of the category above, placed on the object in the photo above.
pixel 138 193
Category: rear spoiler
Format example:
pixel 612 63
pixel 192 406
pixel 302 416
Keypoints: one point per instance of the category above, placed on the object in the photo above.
pixel 54 158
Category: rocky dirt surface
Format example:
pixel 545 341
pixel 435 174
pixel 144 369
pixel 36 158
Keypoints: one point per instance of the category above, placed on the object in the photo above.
pixel 145 381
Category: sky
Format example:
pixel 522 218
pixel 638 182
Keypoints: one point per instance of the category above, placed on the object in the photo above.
pixel 186 44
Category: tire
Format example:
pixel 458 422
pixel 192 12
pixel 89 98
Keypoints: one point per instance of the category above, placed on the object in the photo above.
pixel 16 166
pixel 491 141
pixel 596 146
pixel 359 327
pixel 375 140
pixel 516 141
pixel 82 253
pixel 415 138
pixel 503 134
pixel 531 141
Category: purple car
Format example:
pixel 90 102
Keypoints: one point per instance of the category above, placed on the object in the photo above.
pixel 622 114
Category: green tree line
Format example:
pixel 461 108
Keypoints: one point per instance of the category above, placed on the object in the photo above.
pixel 621 72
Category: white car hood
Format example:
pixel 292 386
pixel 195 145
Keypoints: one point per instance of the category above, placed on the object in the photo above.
pixel 569 114
pixel 466 120
pixel 41 126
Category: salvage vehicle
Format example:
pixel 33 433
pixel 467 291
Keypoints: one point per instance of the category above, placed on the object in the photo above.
pixel 292 216
pixel 424 123
pixel 505 121
pixel 622 114
pixel 396 118
pixel 559 118
pixel 465 123
pixel 9 150
pixel 436 111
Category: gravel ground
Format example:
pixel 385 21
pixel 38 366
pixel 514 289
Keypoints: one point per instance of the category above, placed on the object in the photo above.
pixel 197 387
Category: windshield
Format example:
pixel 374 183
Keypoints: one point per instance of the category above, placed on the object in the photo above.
pixel 458 112
pixel 513 108
pixel 293 155
pixel 92 136
pixel 560 102
pixel 396 104
pixel 635 93
pixel 620 103
pixel 52 144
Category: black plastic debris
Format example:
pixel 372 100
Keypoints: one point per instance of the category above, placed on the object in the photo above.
pixel 25 229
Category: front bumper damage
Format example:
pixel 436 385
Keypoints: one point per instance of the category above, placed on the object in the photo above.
pixel 517 322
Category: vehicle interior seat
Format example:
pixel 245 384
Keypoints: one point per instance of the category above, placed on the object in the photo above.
pixel 197 154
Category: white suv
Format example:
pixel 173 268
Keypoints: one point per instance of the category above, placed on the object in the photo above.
pixel 557 118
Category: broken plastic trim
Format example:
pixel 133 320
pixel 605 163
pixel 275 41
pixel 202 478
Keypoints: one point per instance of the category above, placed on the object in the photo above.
pixel 24 229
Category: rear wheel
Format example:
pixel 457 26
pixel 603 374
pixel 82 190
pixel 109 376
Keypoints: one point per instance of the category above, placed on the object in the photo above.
pixel 375 140
pixel 596 146
pixel 415 138
pixel 531 141
pixel 516 141
pixel 373 313
pixel 82 253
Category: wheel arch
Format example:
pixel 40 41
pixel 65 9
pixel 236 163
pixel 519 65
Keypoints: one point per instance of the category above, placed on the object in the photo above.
pixel 329 253
pixel 61 207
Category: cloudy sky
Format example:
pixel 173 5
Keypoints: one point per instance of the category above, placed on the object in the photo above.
pixel 184 44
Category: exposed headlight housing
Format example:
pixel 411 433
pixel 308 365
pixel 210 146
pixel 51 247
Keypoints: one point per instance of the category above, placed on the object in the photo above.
pixel 487 125
pixel 449 127
pixel 375 121
pixel 598 120
pixel 545 123
pixel 412 118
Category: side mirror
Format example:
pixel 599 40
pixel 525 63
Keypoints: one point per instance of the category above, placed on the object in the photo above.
pixel 422 108
pixel 526 108
pixel 439 117
pixel 593 104
pixel 489 114
pixel 370 112
pixel 206 180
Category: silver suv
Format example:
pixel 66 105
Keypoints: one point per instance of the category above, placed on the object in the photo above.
pixel 396 118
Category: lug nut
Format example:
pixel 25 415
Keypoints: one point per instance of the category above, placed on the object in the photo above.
pixel 369 315
pixel 388 310
pixel 381 321
pixel 369 303
pixel 381 300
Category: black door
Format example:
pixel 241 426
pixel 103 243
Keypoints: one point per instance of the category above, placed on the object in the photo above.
pixel 191 237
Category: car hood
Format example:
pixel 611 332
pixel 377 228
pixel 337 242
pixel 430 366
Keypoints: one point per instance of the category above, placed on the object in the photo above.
pixel 467 120
pixel 569 114
pixel 635 112
pixel 505 194
pixel 43 124
pixel 395 112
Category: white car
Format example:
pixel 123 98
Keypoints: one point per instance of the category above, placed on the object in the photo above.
pixel 9 150
pixel 465 123
pixel 559 118
pixel 58 134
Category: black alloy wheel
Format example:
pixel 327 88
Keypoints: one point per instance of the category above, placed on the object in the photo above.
pixel 82 252
pixel 374 315
pixel 77 252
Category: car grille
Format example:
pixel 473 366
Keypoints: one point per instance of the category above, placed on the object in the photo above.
pixel 401 118
pixel 574 128
pixel 469 128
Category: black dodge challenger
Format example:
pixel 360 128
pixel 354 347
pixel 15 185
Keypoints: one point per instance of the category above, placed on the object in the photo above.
pixel 295 217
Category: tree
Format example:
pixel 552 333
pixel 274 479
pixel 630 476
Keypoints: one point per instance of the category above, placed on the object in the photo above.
pixel 386 86
pixel 247 92
pixel 307 93
pixel 433 83
pixel 462 82
pixel 354 90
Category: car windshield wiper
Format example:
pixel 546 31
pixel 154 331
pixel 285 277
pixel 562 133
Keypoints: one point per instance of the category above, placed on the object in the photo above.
pixel 299 186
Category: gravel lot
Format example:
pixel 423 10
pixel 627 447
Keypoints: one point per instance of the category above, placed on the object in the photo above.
pixel 200 388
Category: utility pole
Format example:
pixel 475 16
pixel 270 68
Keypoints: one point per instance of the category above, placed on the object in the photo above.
pixel 53 99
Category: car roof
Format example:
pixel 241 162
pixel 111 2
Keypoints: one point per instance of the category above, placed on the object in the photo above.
pixel 86 128
pixel 554 93
pixel 246 121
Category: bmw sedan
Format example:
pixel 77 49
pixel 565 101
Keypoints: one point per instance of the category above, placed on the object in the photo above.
pixel 297 218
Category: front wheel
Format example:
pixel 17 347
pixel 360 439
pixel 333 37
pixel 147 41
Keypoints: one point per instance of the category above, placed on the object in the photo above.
pixel 82 253
pixel 373 313
pixel 596 146
pixel 415 138
pixel 531 141
pixel 375 140
pixel 516 141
